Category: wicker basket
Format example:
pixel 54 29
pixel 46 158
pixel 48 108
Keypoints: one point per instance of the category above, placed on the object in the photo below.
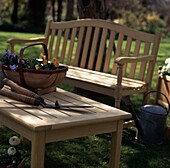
pixel 35 79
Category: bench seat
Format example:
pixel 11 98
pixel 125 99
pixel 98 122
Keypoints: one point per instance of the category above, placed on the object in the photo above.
pixel 100 82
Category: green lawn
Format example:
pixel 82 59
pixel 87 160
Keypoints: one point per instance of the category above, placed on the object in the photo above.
pixel 92 151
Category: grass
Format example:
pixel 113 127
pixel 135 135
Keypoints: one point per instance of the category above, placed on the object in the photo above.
pixel 92 151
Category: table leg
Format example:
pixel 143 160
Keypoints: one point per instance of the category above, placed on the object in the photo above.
pixel 116 146
pixel 38 150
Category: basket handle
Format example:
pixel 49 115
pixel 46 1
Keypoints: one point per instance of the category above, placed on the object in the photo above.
pixel 152 91
pixel 30 45
pixel 21 58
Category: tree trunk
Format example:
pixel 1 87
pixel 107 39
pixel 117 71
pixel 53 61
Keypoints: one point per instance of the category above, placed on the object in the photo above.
pixel 14 17
pixel 91 9
pixel 59 12
pixel 70 10
pixel 53 9
pixel 36 13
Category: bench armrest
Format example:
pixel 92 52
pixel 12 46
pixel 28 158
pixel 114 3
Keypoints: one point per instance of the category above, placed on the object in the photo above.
pixel 15 41
pixel 124 60
pixel 12 42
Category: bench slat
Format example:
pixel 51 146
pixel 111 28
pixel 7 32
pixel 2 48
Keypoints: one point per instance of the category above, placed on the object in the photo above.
pixel 71 46
pixel 109 52
pixel 136 53
pixel 86 47
pixel 101 52
pixel 118 51
pixel 144 64
pixel 101 79
pixel 64 45
pixel 127 53
pixel 79 46
pixel 93 48
pixel 57 48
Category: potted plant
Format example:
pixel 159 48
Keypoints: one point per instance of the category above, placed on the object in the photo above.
pixel 163 85
pixel 34 74
pixel 163 82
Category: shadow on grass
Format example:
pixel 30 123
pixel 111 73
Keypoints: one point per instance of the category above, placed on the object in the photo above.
pixel 136 155
pixel 93 152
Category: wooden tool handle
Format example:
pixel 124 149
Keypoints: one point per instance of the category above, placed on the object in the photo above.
pixel 19 89
pixel 19 97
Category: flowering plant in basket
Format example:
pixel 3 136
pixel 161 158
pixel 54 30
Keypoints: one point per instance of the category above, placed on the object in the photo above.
pixel 165 69
pixel 41 63
pixel 38 73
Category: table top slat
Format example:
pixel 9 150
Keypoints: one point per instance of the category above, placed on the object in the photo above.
pixel 38 118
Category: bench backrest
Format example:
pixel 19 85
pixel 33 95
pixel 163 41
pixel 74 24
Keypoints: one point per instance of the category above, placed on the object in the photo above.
pixel 95 44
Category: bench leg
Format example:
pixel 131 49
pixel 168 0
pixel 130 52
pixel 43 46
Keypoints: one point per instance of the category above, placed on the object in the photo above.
pixel 38 150
pixel 117 103
pixel 116 146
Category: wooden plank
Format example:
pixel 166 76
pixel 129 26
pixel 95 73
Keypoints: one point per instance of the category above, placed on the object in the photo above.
pixel 72 43
pixel 109 52
pixel 18 127
pixel 107 24
pixel 143 64
pixel 118 51
pixel 86 101
pixel 81 131
pixel 101 50
pixel 116 146
pixel 10 109
pixel 127 52
pixel 57 45
pixel 136 53
pixel 31 114
pixel 86 47
pixel 64 99
pixel 64 45
pixel 79 46
pixel 38 150
pixel 50 48
pixel 101 79
pixel 93 48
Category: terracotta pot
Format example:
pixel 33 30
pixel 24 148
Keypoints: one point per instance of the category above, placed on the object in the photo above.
pixel 163 85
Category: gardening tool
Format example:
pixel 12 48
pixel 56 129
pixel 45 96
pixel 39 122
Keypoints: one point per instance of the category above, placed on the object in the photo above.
pixel 18 89
pixel 58 106
pixel 22 94
pixel 151 122
pixel 26 96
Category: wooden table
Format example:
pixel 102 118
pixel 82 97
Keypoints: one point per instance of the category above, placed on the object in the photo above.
pixel 43 125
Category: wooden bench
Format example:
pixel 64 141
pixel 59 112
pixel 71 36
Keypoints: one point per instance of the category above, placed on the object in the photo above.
pixel 102 56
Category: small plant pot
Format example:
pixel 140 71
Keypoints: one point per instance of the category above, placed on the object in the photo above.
pixel 21 165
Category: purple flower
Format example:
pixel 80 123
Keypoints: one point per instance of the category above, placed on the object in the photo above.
pixel 13 67
pixel 13 55
pixel 6 57
pixel 6 54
